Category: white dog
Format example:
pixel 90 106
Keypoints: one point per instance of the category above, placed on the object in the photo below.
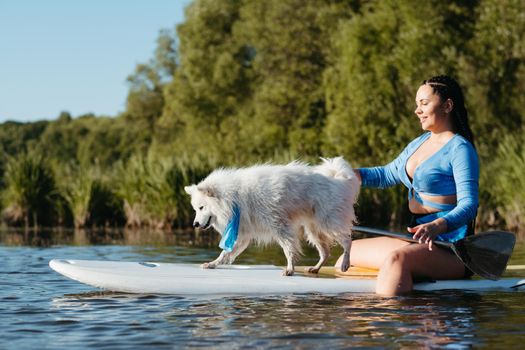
pixel 277 203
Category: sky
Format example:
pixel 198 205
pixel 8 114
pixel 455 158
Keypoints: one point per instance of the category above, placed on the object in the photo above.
pixel 75 56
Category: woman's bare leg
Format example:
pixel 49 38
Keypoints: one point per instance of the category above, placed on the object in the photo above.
pixel 371 252
pixel 413 260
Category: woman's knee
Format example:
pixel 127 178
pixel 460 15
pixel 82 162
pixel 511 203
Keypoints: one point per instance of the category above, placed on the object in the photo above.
pixel 397 259
pixel 371 252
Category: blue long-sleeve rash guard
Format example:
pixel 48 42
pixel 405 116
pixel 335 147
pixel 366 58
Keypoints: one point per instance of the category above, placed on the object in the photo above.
pixel 453 169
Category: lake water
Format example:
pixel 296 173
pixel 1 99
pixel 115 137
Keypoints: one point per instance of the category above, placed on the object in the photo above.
pixel 41 309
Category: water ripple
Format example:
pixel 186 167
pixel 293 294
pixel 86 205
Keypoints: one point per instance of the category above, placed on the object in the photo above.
pixel 41 309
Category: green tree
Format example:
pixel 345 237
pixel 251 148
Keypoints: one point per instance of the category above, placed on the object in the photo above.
pixel 61 138
pixel 205 89
pixel 145 100
pixel 288 47
pixel 16 137
pixel 494 69
pixel 249 81
pixel 382 56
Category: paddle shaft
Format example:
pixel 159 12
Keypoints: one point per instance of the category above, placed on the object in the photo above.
pixel 404 237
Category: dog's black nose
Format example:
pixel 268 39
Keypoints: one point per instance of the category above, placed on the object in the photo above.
pixel 196 224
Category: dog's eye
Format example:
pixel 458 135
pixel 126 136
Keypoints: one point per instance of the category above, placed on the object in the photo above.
pixel 201 207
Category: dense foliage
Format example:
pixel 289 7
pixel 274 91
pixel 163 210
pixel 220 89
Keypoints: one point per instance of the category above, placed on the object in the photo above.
pixel 245 81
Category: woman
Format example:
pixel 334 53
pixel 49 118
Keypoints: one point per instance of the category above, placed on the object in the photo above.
pixel 441 171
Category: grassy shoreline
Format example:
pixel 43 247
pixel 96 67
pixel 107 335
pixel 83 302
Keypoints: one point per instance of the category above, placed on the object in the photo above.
pixel 148 193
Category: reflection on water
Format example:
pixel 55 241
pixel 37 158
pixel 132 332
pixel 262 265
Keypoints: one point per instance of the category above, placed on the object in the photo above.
pixel 300 321
pixel 42 309
pixel 122 236
pixel 163 241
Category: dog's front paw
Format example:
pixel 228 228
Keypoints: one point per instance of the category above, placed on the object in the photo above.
pixel 287 272
pixel 208 265
pixel 311 269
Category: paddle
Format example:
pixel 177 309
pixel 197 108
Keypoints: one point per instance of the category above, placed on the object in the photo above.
pixel 485 253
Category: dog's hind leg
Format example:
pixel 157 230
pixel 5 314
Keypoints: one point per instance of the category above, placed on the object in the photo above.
pixel 321 242
pixel 346 243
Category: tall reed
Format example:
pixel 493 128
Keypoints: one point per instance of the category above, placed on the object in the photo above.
pixel 153 190
pixel 76 186
pixel 106 207
pixel 148 198
pixel 31 195
pixel 89 196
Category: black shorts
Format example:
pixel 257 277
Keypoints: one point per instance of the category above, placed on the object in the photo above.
pixel 470 231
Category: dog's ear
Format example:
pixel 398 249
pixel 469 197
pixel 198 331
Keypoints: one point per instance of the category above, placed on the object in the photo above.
pixel 208 190
pixel 190 189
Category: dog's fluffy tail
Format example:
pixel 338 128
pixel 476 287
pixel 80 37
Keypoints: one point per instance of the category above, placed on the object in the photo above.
pixel 337 168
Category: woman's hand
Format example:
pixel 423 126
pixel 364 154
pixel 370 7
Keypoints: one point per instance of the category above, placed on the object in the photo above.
pixel 426 233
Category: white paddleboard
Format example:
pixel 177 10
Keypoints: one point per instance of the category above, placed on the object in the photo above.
pixel 191 279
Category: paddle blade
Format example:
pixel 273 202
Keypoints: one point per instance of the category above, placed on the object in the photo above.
pixel 486 253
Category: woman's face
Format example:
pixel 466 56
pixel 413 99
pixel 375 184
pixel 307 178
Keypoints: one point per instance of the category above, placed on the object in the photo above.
pixel 433 113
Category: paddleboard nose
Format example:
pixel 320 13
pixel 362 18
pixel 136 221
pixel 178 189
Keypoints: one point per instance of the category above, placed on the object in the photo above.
pixel 59 264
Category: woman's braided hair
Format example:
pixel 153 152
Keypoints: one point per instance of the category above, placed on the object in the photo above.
pixel 447 87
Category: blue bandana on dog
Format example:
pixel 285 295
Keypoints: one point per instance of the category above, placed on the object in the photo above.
pixel 229 237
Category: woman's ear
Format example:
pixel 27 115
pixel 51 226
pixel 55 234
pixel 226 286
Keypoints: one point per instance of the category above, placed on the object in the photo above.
pixel 448 105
